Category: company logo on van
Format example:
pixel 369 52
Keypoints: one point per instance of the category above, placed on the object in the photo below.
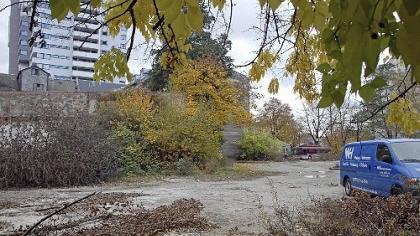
pixel 348 152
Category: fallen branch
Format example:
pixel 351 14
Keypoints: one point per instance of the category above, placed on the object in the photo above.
pixel 47 209
pixel 76 223
pixel 56 212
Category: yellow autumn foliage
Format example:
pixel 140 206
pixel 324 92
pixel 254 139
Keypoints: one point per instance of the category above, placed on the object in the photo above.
pixel 180 135
pixel 161 130
pixel 135 107
pixel 205 83
pixel 404 115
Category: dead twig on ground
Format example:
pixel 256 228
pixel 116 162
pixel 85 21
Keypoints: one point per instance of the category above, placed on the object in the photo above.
pixel 56 212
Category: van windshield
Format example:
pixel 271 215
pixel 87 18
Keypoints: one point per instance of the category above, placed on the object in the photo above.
pixel 407 151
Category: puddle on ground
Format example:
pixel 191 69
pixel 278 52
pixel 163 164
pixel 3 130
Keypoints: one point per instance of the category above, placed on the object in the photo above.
pixel 314 176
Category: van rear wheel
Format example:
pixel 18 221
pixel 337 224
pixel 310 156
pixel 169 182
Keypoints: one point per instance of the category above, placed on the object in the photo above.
pixel 348 189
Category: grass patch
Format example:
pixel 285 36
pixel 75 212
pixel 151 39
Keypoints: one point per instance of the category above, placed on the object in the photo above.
pixel 231 171
pixel 235 171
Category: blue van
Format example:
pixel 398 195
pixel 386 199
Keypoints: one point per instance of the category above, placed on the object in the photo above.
pixel 381 167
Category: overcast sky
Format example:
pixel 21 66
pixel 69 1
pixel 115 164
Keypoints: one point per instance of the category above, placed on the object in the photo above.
pixel 244 44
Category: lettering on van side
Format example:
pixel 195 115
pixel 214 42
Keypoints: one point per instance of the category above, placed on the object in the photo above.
pixel 354 164
pixel 365 158
pixel 384 173
pixel 363 165
pixel 383 168
pixel 359 180
pixel 348 153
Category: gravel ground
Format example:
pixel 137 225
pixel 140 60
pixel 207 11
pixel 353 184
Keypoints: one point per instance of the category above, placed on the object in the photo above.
pixel 231 205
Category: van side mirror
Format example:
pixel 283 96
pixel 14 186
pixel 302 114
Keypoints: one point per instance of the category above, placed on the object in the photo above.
pixel 386 158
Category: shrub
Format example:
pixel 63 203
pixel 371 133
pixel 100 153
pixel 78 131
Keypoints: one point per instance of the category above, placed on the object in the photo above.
pixel 360 215
pixel 259 145
pixel 133 155
pixel 51 149
pixel 160 133
pixel 184 167
pixel 179 135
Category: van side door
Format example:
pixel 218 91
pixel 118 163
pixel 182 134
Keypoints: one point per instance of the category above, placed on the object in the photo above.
pixel 351 165
pixel 367 156
pixel 384 170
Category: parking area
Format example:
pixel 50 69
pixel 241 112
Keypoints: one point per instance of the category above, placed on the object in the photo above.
pixel 227 204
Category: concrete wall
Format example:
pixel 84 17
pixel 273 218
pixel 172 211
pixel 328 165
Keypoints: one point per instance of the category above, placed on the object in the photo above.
pixel 8 82
pixel 62 85
pixel 231 136
pixel 25 104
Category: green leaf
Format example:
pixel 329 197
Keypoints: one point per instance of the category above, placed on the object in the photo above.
pixel 378 82
pixel 416 73
pixel 95 3
pixel 173 12
pixel 325 101
pixel 274 4
pixel 412 6
pixel 262 2
pixel 367 92
pixel 195 18
pixel 59 9
pixel 324 68
pixel 74 6
pixel 178 25
pixel 371 53
pixel 164 4
pixel 338 96
pixel 216 4
pixel 408 37
pixel 111 65
pixel 308 17
pixel 351 65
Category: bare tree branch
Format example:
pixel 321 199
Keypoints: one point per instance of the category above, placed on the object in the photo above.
pixel 32 23
pixel 56 212
pixel 133 34
pixel 388 103
pixel 229 25
pixel 263 43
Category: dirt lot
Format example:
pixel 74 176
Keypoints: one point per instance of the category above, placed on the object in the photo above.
pixel 227 204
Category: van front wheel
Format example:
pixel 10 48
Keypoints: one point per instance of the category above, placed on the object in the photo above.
pixel 396 190
pixel 347 187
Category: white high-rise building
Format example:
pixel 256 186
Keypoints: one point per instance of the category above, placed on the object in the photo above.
pixel 59 48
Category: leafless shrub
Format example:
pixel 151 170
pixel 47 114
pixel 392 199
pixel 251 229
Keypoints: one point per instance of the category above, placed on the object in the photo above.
pixel 359 215
pixel 52 148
